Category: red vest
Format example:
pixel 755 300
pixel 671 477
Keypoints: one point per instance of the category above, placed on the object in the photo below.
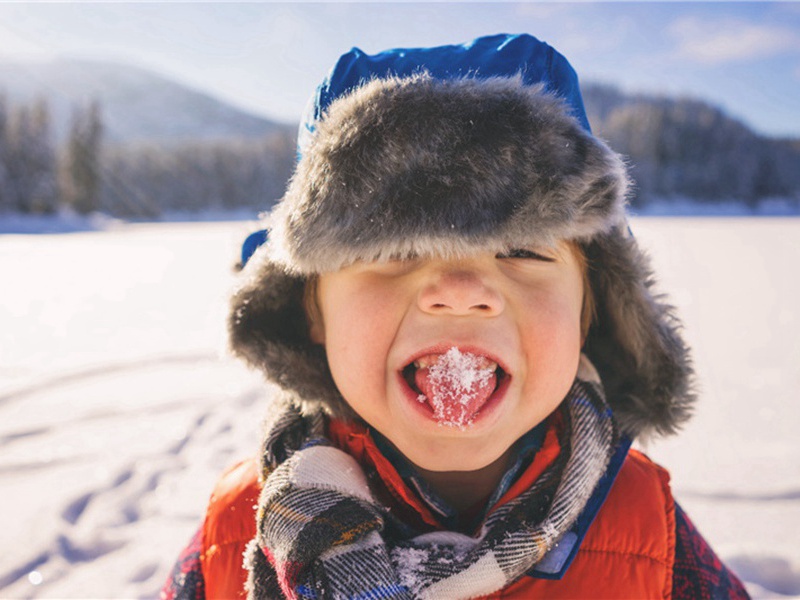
pixel 628 551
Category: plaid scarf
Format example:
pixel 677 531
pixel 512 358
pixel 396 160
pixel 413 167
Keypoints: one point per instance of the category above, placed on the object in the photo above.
pixel 321 534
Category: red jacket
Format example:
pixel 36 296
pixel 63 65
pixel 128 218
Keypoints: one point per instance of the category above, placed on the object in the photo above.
pixel 638 545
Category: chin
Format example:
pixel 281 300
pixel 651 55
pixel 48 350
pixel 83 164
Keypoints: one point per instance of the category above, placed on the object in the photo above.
pixel 462 455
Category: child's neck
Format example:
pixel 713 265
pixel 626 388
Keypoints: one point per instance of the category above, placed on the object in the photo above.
pixel 463 489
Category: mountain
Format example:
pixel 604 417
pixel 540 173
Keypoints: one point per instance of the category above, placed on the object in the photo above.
pixel 137 105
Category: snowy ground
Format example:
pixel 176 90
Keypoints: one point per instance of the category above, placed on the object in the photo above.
pixel 118 409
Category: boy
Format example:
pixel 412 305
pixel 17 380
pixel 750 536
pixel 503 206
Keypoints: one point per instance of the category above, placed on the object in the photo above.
pixel 465 342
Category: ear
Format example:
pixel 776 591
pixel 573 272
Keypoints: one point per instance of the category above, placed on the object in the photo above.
pixel 316 326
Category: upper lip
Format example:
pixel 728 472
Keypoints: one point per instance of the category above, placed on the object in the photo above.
pixel 443 347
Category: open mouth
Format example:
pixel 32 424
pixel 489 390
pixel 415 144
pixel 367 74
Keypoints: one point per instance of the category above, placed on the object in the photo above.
pixel 455 385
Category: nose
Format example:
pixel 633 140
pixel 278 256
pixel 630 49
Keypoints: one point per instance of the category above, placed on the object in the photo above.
pixel 460 290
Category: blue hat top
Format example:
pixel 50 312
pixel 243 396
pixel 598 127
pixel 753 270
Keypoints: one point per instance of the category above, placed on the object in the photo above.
pixel 502 55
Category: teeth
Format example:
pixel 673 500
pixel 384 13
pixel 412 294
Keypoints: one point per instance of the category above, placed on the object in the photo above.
pixel 431 359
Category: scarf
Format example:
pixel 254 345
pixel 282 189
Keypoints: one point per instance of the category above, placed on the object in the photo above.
pixel 321 534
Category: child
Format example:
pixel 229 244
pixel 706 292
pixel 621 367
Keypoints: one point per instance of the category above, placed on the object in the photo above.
pixel 466 342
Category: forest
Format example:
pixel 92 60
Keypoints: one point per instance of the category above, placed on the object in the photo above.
pixel 675 147
pixel 133 180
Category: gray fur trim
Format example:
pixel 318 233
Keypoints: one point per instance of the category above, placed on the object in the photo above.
pixel 430 167
pixel 635 341
pixel 268 329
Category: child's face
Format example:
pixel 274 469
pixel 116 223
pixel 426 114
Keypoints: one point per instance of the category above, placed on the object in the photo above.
pixel 521 312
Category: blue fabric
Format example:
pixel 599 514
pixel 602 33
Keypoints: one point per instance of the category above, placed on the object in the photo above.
pixel 555 566
pixel 251 244
pixel 502 55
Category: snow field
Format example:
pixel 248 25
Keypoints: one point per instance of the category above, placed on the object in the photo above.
pixel 736 466
pixel 118 408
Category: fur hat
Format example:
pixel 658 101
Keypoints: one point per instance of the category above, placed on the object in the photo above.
pixel 447 164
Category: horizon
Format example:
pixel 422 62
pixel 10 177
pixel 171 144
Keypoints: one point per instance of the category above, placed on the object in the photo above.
pixel 267 58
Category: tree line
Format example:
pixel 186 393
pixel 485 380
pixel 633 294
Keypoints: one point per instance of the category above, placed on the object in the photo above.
pixel 148 179
pixel 675 148
pixel 142 180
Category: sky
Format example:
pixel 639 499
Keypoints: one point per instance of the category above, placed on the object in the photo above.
pixel 268 57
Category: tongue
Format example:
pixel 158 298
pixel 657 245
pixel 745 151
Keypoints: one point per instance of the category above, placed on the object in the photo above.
pixel 456 386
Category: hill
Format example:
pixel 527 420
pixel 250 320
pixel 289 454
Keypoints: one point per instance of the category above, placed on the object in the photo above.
pixel 688 148
pixel 137 105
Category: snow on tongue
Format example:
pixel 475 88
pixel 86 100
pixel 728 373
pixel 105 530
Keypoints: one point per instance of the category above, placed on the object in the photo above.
pixel 456 386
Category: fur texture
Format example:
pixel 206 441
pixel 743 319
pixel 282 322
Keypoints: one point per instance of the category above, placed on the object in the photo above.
pixel 421 166
pixel 430 167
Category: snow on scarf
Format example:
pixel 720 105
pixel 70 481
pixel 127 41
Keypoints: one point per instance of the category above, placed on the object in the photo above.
pixel 321 534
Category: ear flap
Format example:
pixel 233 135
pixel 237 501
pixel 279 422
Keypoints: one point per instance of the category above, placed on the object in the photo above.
pixel 267 327
pixel 635 341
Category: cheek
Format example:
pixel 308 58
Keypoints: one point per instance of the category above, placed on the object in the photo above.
pixel 553 340
pixel 358 335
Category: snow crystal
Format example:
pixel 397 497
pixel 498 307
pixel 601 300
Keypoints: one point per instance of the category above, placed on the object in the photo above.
pixel 459 376
pixel 463 370
pixel 408 561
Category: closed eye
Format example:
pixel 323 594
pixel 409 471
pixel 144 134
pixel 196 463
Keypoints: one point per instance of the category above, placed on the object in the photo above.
pixel 526 254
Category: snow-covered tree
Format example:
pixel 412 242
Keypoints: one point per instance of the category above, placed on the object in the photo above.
pixel 30 160
pixel 5 202
pixel 80 169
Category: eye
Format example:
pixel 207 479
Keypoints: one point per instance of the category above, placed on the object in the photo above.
pixel 526 254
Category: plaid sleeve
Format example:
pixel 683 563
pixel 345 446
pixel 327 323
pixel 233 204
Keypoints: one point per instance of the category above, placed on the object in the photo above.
pixel 698 573
pixel 186 580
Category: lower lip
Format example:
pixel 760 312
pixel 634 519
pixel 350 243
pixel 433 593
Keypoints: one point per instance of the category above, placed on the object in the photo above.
pixel 425 409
